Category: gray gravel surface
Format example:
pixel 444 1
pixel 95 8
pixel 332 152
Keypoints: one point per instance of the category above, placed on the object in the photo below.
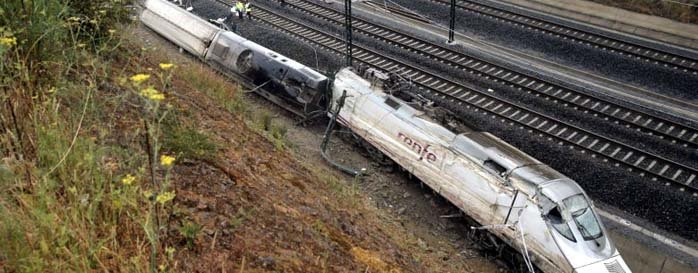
pixel 660 79
pixel 609 129
pixel 664 206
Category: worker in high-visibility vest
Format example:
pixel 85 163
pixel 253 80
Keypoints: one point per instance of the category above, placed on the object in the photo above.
pixel 248 10
pixel 240 9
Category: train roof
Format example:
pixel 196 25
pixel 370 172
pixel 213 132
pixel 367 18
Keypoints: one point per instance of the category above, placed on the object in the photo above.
pixel 524 172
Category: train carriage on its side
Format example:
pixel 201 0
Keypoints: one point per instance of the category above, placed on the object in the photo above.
pixel 294 86
pixel 527 204
pixel 533 208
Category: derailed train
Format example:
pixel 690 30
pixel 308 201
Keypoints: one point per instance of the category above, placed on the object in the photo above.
pixel 299 89
pixel 536 210
pixel 532 207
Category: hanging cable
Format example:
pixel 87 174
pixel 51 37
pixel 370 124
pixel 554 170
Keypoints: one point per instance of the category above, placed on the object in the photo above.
pixel 524 253
pixel 326 139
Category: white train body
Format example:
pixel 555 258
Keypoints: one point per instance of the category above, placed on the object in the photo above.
pixel 233 53
pixel 487 179
pixel 189 32
pixel 491 181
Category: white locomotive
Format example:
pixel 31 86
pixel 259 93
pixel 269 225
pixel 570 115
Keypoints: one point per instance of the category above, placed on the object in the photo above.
pixel 524 202
pixel 297 88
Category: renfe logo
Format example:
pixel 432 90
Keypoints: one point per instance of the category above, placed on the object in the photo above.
pixel 421 150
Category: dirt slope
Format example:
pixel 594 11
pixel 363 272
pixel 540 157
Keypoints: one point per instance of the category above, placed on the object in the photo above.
pixel 260 204
pixel 265 208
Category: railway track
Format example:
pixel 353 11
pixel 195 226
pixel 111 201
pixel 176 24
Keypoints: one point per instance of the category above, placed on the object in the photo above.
pixel 672 132
pixel 645 164
pixel 603 42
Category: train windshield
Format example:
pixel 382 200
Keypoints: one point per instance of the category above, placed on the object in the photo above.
pixel 574 211
pixel 583 217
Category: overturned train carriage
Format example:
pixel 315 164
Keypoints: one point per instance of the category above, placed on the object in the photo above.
pixel 527 204
pixel 296 87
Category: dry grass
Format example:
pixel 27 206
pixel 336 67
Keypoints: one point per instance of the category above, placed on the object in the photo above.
pixel 667 9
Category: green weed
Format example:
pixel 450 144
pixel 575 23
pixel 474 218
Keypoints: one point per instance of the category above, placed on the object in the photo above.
pixel 190 231
pixel 275 133
pixel 240 217
pixel 205 80
pixel 188 142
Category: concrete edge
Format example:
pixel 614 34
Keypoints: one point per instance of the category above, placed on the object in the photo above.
pixel 653 27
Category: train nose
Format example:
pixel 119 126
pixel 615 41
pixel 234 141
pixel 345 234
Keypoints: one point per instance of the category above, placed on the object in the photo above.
pixel 612 265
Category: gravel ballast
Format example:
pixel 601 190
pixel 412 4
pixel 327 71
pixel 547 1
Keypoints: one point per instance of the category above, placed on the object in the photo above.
pixel 670 209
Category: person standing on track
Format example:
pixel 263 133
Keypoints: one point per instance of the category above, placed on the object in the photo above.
pixel 248 10
pixel 240 9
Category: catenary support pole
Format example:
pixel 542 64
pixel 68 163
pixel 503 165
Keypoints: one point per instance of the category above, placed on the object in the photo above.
pixel 452 23
pixel 348 32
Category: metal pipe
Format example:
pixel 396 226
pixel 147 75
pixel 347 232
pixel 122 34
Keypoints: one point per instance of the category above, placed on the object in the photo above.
pixel 513 201
pixel 452 23
pixel 348 32
pixel 326 140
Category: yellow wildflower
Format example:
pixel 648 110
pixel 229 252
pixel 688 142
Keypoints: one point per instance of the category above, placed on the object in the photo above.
pixel 153 94
pixel 139 78
pixel 165 197
pixel 167 160
pixel 128 179
pixel 147 194
pixel 8 41
pixel 169 250
pixel 166 66
pixel 117 203
pixel 157 97
pixel 149 91
pixel 162 268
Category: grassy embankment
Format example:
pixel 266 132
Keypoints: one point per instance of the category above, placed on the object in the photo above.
pixel 114 160
pixel 71 194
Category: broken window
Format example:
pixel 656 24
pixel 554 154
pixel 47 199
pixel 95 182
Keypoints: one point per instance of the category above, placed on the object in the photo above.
pixel 495 167
pixel 392 103
pixel 574 209
pixel 560 224
pixel 583 216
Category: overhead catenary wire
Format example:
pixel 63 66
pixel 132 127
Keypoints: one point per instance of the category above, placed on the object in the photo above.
pixel 436 24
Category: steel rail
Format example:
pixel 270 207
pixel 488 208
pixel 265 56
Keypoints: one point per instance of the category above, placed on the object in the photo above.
pixel 604 42
pixel 673 132
pixel 644 163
